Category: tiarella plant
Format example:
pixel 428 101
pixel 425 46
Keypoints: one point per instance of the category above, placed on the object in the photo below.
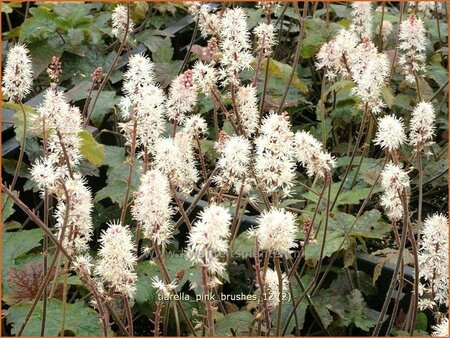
pixel 232 192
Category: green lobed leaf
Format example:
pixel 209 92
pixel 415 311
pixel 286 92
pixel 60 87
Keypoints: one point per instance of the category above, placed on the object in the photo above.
pixel 177 263
pixel 76 36
pixel 341 11
pixel 12 225
pixel 326 302
pixel 345 197
pixel 145 293
pixel 340 86
pixel 343 113
pixel 283 71
pixel 403 101
pixel 357 312
pixel 316 34
pixel 115 160
pixel 425 89
pixel 8 208
pixel 438 74
pixel 350 308
pixel 167 7
pixel 19 119
pixel 332 242
pixel 421 321
pixel 10 167
pixel 236 322
pixel 435 169
pixel 367 226
pixel 42 51
pixel 166 72
pixel 355 196
pixel 15 245
pixel 101 215
pixel 254 16
pixel 114 191
pixel 78 67
pixel 139 10
pixel 388 97
pixel 243 245
pixel 152 39
pixel 104 105
pixel 8 7
pixel 80 320
pixel 91 150
pixel 40 26
pixel 72 15
pixel 342 284
pixel 431 26
pixel 164 53
pixel 117 172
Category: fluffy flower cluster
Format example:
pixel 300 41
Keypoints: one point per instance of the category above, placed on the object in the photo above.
pixel 77 211
pixel 369 70
pixel 182 96
pixel 208 22
pixel 422 124
pixel 18 74
pixel 139 76
pixel 391 133
pixel 119 22
pixel 205 76
pixel 433 262
pixel 308 151
pixel 269 7
pixel 234 45
pixel 393 176
pixel 362 19
pixel 426 7
pixel 117 261
pixel 65 140
pixel 392 205
pixel 333 55
pixel 276 231
pixel 62 124
pixel 274 159
pixel 273 287
pixel 143 104
pixel 266 39
pixel 174 157
pixel 353 55
pixel 247 105
pixel 163 288
pixel 152 207
pixel 234 164
pixel 209 238
pixel 195 125
pixel 82 264
pixel 394 180
pixel 45 174
pixel 412 46
pixel 441 329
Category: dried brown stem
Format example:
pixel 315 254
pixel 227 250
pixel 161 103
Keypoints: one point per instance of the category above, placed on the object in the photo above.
pixel 262 287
